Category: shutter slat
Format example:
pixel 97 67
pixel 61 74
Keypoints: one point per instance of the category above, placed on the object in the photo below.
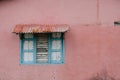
pixel 42 48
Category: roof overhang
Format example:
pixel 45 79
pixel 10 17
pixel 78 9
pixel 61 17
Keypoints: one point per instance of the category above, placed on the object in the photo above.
pixel 39 28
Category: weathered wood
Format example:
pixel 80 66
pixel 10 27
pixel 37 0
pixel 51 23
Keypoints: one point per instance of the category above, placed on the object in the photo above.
pixel 42 48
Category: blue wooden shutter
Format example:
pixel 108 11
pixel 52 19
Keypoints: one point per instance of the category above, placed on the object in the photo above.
pixel 56 48
pixel 28 49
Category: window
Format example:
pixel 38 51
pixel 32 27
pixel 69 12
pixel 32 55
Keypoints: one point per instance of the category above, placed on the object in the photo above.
pixel 42 48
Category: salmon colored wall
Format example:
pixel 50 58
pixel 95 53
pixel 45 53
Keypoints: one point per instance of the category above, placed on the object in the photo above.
pixel 89 47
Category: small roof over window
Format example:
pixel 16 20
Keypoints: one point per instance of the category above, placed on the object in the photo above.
pixel 39 28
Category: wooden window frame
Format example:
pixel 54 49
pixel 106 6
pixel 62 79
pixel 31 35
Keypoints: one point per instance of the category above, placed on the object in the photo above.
pixel 50 61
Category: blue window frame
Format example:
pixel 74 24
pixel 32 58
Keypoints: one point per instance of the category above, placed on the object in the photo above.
pixel 42 48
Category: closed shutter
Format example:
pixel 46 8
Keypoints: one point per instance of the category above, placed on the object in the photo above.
pixel 56 48
pixel 42 48
pixel 28 49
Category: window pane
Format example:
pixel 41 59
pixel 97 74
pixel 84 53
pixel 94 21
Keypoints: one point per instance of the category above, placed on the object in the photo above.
pixel 56 44
pixel 28 56
pixel 28 35
pixel 56 56
pixel 28 45
pixel 56 35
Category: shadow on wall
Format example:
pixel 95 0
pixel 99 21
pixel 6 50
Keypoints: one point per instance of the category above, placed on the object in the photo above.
pixel 3 3
pixel 6 0
pixel 103 75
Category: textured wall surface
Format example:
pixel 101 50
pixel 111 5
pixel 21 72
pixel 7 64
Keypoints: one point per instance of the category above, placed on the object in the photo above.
pixel 89 47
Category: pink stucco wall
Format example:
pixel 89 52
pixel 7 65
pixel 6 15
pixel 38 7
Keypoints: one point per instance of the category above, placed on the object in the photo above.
pixel 89 47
